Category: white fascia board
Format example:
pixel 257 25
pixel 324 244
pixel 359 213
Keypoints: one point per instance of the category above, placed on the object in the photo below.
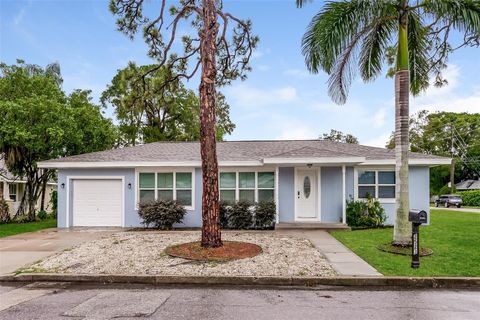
pixel 414 162
pixel 324 160
pixel 139 164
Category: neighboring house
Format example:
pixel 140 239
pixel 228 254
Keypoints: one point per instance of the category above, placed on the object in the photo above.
pixel 12 189
pixel 468 185
pixel 310 180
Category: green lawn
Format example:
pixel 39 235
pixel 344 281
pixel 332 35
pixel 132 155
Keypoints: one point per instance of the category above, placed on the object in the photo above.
pixel 454 237
pixel 9 229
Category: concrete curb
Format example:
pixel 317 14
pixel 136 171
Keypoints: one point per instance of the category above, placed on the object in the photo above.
pixel 398 282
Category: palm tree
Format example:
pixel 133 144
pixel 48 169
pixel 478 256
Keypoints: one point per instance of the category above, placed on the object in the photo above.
pixel 352 36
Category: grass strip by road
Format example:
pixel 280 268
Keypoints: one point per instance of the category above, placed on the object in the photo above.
pixel 453 236
pixel 10 229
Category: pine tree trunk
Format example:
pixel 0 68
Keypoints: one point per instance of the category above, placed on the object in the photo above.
pixel 211 236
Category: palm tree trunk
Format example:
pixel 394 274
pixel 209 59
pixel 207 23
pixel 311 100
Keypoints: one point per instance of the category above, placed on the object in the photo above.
pixel 402 227
pixel 211 236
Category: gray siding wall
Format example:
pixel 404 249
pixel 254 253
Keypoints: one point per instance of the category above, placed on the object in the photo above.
pixel 192 219
pixel 286 194
pixel 331 194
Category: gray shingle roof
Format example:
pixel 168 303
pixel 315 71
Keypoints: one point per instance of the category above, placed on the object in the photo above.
pixel 240 151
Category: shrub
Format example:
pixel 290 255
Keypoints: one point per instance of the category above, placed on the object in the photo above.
pixel 368 213
pixel 225 212
pixel 241 215
pixel 161 214
pixel 42 215
pixel 265 212
pixel 4 213
pixel 471 198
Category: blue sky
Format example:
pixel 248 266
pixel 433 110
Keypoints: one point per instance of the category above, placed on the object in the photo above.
pixel 279 100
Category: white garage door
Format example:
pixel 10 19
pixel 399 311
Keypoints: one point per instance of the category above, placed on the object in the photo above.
pixel 97 203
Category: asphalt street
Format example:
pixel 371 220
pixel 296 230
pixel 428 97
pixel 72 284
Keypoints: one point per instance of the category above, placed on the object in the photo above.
pixel 54 301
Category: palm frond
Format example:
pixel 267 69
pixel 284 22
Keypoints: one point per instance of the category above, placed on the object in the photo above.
pixel 301 3
pixel 374 48
pixel 333 36
pixel 464 15
pixel 418 54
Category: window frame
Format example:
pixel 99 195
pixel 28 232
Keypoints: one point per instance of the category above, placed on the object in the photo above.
pixel 156 171
pixel 15 185
pixel 256 187
pixel 376 185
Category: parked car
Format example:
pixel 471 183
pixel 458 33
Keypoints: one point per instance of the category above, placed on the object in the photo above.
pixel 449 200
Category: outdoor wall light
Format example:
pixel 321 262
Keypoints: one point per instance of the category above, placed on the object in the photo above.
pixel 63 185
pixel 129 186
pixel 309 165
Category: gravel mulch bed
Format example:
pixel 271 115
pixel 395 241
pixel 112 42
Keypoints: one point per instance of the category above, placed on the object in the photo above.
pixel 137 253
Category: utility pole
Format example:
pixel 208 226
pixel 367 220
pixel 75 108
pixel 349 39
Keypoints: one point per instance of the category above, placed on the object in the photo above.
pixel 452 164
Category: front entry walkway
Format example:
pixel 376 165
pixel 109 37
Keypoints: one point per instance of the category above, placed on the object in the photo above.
pixel 342 259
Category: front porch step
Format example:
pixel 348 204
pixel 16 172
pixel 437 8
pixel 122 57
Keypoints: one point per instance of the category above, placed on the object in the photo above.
pixel 312 225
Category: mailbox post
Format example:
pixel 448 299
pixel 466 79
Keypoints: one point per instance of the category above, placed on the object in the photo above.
pixel 416 217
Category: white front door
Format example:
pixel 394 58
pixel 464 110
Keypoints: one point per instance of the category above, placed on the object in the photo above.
pixel 306 194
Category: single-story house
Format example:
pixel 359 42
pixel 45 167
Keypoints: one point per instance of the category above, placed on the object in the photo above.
pixel 12 189
pixel 468 185
pixel 309 180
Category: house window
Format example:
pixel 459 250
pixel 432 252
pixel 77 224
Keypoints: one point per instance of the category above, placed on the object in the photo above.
pixel 166 186
pixel 378 184
pixel 12 191
pixel 248 186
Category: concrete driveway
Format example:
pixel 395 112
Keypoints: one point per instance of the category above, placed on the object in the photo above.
pixel 22 249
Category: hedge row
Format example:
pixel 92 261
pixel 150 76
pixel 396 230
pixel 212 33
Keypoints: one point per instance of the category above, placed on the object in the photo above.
pixel 241 215
pixel 247 215
pixel 470 198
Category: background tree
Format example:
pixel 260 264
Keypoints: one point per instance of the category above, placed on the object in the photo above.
pixel 39 122
pixel 446 134
pixel 339 136
pixel 157 109
pixel 412 36
pixel 221 49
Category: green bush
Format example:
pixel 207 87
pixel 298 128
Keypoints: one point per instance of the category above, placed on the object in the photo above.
pixel 161 214
pixel 225 212
pixel 241 215
pixel 4 213
pixel 42 215
pixel 471 198
pixel 265 212
pixel 369 213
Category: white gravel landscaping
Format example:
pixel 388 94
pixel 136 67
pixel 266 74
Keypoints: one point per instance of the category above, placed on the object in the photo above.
pixel 142 252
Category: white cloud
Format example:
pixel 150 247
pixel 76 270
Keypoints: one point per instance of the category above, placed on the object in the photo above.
pixel 247 96
pixel 297 73
pixel 18 18
pixel 378 119
pixel 295 129
pixel 450 97
pixel 263 67
pixel 379 141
